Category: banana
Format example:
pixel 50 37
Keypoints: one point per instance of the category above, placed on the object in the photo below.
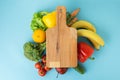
pixel 84 24
pixel 92 36
pixel 95 44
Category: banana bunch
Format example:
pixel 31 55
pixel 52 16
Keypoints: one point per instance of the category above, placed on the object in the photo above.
pixel 86 29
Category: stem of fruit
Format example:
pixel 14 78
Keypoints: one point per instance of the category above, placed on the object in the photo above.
pixel 57 75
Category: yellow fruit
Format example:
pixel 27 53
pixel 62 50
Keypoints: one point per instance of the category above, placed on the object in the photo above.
pixel 92 36
pixel 84 25
pixel 50 19
pixel 95 44
pixel 39 36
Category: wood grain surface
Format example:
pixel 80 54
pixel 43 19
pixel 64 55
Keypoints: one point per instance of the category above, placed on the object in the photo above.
pixel 61 43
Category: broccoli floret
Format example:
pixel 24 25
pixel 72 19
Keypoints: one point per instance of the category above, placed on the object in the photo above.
pixel 34 51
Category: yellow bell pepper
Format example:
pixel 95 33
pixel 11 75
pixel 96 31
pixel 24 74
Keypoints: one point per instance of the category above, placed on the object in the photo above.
pixel 50 19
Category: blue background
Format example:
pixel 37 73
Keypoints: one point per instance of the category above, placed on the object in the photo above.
pixel 15 18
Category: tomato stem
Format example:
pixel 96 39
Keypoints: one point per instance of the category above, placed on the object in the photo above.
pixel 57 75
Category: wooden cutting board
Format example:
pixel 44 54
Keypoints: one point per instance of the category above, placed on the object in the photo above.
pixel 61 43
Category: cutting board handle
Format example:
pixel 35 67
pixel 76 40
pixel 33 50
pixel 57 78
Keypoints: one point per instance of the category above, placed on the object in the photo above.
pixel 61 17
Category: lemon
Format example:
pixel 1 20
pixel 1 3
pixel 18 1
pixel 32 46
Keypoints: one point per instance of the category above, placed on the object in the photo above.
pixel 39 36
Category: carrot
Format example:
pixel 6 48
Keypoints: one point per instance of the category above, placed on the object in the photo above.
pixel 72 16
pixel 72 21
pixel 75 12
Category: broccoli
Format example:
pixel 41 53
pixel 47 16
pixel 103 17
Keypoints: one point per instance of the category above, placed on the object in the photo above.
pixel 34 51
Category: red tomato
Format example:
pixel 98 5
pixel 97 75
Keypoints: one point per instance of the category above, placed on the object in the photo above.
pixel 84 51
pixel 46 68
pixel 61 70
pixel 38 65
pixel 42 72
pixel 44 59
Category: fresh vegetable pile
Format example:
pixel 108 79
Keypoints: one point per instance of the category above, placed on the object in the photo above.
pixel 43 20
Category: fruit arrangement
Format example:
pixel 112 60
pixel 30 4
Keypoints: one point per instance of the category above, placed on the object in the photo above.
pixel 43 20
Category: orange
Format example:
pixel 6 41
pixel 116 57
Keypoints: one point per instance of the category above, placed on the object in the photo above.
pixel 39 36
